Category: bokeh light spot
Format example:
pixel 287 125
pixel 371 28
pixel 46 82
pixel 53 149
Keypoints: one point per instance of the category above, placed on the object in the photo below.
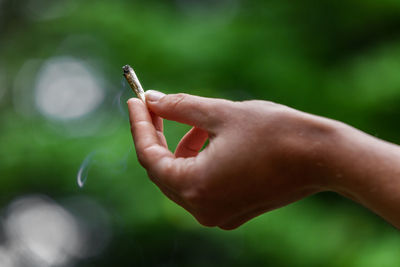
pixel 67 88
pixel 42 230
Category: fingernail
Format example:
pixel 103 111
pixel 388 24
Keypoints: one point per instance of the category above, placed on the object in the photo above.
pixel 130 99
pixel 152 95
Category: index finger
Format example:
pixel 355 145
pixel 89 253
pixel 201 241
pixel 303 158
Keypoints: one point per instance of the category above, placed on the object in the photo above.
pixel 152 154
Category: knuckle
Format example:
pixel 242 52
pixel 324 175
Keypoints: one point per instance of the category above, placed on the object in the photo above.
pixel 199 195
pixel 199 190
pixel 202 206
pixel 141 158
pixel 169 170
pixel 176 100
pixel 143 155
pixel 260 103
pixel 196 195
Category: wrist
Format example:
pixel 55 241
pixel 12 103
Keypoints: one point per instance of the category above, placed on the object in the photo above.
pixel 321 140
pixel 335 157
pixel 336 153
pixel 309 144
pixel 330 153
pixel 355 164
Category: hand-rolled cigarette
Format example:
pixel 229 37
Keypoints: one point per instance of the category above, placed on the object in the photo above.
pixel 133 81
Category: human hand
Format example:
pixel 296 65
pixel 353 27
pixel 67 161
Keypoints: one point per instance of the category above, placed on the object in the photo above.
pixel 258 158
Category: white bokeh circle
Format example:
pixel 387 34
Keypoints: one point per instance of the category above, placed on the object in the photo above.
pixel 67 88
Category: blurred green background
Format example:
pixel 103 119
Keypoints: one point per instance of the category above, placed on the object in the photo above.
pixel 62 108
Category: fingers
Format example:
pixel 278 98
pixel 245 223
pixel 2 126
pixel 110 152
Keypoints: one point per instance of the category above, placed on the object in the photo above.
pixel 202 112
pixel 151 152
pixel 157 122
pixel 191 143
pixel 159 126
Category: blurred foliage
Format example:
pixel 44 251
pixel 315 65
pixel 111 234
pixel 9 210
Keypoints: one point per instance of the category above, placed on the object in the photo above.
pixel 339 59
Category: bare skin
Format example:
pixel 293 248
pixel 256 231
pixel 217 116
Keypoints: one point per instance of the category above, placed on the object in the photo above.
pixel 260 156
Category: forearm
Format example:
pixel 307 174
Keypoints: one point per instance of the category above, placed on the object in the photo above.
pixel 364 169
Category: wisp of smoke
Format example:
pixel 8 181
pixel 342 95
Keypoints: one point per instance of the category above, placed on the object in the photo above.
pixel 94 157
pixel 84 169
pixel 101 159
pixel 118 99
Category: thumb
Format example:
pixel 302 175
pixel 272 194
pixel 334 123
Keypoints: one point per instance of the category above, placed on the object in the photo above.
pixel 204 113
